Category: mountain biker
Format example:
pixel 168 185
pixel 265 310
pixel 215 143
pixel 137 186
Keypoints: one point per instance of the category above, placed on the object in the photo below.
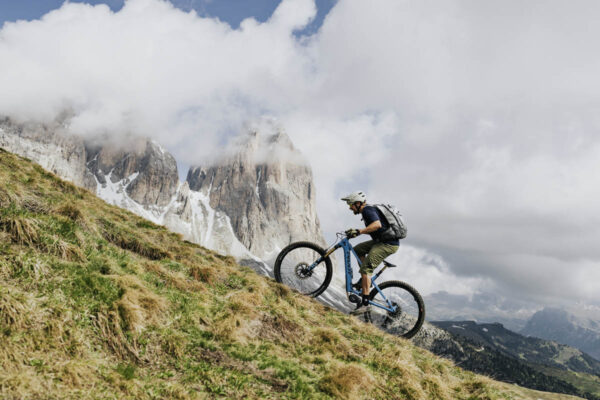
pixel 372 252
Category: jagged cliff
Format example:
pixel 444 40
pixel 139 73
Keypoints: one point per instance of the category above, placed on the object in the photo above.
pixel 151 170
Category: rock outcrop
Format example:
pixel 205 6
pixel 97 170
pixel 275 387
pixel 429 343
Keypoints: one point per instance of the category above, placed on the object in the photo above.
pixel 267 190
pixel 151 170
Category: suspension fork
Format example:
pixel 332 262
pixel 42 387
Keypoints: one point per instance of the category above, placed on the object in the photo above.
pixel 323 257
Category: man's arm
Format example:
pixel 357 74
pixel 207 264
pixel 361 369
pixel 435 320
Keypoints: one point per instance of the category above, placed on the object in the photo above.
pixel 372 227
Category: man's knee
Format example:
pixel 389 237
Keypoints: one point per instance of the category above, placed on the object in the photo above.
pixel 366 268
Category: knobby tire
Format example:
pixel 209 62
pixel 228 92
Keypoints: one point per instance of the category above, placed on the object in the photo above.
pixel 412 312
pixel 295 278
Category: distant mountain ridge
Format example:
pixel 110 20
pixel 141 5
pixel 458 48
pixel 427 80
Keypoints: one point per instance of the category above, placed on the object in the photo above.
pixel 512 357
pixel 565 327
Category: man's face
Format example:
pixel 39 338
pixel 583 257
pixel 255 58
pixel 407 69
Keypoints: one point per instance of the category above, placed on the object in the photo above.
pixel 355 207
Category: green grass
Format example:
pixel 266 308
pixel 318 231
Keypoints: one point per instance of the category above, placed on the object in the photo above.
pixel 96 302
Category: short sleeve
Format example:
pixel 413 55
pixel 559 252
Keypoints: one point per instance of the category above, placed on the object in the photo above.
pixel 370 215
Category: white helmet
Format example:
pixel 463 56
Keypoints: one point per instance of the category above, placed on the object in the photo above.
pixel 354 197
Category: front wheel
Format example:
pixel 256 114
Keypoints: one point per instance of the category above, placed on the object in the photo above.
pixel 409 312
pixel 295 267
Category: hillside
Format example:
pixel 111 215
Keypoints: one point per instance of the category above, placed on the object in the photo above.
pixel 96 302
pixel 528 361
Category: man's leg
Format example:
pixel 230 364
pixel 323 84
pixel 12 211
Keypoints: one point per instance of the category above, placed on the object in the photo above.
pixel 376 255
pixel 366 284
pixel 361 251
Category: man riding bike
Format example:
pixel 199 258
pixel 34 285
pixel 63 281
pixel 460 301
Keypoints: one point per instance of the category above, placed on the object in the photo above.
pixel 372 252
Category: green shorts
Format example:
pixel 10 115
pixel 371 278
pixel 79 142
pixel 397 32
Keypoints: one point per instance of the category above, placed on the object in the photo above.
pixel 376 252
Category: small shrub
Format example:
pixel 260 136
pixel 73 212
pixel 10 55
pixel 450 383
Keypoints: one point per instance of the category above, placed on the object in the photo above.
pixel 127 371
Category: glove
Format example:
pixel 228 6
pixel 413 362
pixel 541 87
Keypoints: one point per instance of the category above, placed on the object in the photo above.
pixel 352 233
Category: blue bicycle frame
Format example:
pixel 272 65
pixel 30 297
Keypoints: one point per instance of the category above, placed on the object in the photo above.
pixel 348 249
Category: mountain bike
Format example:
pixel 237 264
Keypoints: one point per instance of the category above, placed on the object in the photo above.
pixel 395 306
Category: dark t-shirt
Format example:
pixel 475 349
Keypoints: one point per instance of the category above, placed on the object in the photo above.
pixel 371 214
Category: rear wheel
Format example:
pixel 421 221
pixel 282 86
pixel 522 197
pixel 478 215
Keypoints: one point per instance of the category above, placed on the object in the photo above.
pixel 410 309
pixel 292 268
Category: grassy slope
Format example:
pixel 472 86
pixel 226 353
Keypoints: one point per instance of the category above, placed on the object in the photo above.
pixel 96 302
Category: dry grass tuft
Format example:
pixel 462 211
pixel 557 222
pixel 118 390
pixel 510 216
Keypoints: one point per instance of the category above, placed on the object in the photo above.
pixel 5 199
pixel 435 388
pixel 126 240
pixel 109 328
pixel 203 274
pixel 235 321
pixel 348 381
pixel 64 250
pixel 22 230
pixel 139 306
pixel 12 310
pixel 70 211
pixel 8 198
pixel 329 339
pixel 33 205
pixel 75 374
pixel 24 383
pixel 176 280
pixel 174 344
pixel 280 329
pixel 33 269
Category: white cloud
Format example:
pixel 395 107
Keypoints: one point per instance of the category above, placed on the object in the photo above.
pixel 478 119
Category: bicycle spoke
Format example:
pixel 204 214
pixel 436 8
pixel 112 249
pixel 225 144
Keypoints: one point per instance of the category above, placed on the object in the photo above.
pixel 294 270
pixel 409 310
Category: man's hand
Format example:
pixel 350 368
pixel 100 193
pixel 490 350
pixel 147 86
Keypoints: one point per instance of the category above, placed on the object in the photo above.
pixel 352 233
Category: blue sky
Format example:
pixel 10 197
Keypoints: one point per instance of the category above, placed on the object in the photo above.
pixel 230 11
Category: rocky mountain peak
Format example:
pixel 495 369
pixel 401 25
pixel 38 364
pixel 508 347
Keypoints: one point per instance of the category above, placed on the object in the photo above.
pixel 151 170
pixel 266 188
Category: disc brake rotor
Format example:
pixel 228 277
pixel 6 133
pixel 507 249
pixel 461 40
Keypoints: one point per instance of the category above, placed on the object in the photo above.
pixel 302 271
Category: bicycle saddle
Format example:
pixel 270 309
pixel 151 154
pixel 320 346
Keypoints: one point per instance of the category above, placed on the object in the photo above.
pixel 388 264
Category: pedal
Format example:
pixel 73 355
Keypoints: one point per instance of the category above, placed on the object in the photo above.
pixel 353 298
pixel 389 265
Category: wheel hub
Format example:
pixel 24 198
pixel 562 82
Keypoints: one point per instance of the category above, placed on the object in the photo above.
pixel 302 271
